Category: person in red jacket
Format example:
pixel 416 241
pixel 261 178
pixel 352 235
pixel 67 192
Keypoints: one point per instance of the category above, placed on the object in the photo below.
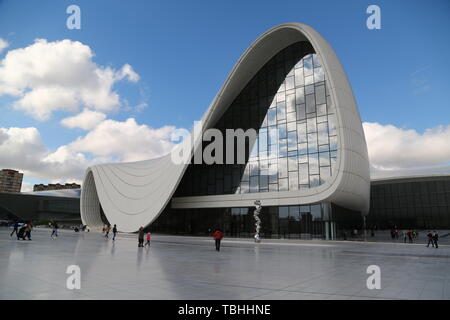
pixel 218 235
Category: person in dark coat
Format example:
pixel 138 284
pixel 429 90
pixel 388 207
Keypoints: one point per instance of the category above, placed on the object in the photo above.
pixel 114 232
pixel 435 239
pixel 55 230
pixel 141 237
pixel 430 239
pixel 21 233
pixel 16 228
pixel 218 236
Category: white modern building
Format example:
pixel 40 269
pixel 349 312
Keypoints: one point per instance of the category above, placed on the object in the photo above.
pixel 311 177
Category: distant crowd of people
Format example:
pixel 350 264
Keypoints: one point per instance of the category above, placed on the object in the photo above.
pixel 23 231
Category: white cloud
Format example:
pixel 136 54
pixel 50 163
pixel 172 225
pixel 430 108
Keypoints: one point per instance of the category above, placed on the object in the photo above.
pixel 405 150
pixel 49 76
pixel 86 120
pixel 110 141
pixel 128 141
pixel 3 44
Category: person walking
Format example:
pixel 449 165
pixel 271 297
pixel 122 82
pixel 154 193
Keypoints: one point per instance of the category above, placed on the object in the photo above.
pixel 430 239
pixel 435 239
pixel 114 232
pixel 55 230
pixel 405 234
pixel 148 240
pixel 16 228
pixel 108 227
pixel 141 237
pixel 21 233
pixel 218 236
pixel 28 231
pixel 410 236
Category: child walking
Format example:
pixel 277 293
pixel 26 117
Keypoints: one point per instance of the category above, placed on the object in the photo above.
pixel 148 240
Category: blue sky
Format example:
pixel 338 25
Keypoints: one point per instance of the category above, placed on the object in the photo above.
pixel 183 51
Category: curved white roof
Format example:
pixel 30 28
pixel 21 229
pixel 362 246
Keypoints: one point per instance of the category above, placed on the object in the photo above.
pixel 134 194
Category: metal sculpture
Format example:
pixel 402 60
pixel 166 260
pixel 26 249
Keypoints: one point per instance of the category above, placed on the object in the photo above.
pixel 258 208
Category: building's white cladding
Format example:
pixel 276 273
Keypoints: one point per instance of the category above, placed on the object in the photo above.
pixel 134 194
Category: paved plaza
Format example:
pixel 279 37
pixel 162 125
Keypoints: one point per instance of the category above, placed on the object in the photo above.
pixel 189 268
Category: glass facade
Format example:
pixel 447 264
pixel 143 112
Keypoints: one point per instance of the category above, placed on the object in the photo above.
pixel 293 222
pixel 412 203
pixel 289 105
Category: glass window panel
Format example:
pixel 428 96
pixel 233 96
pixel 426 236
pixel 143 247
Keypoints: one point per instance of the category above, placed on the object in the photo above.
pixel 264 168
pixel 281 111
pixel 319 74
pixel 303 158
pixel 263 182
pixel 244 187
pixel 292 163
pixel 309 89
pixel 303 148
pixel 324 159
pixel 310 103
pixel 280 97
pixel 290 83
pixel 309 80
pixel 273 151
pixel 273 187
pixel 321 109
pixel 282 151
pixel 322 119
pixel 311 125
pixel 308 65
pixel 299 95
pixel 303 173
pixel 322 129
pixel 325 174
pixel 301 132
pixel 273 135
pixel 314 181
pixel 290 103
pixel 313 163
pixel 333 143
pixel 292 126
pixel 272 116
pixel 299 80
pixel 254 184
pixel 282 131
pixel 291 117
pixel 316 212
pixel 246 174
pixel 320 95
pixel 254 152
pixel 283 184
pixel 316 60
pixel 254 168
pixel 293 180
pixel 282 168
pixel 273 173
pixel 324 148
pixel 262 139
pixel 301 111
pixel 292 140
